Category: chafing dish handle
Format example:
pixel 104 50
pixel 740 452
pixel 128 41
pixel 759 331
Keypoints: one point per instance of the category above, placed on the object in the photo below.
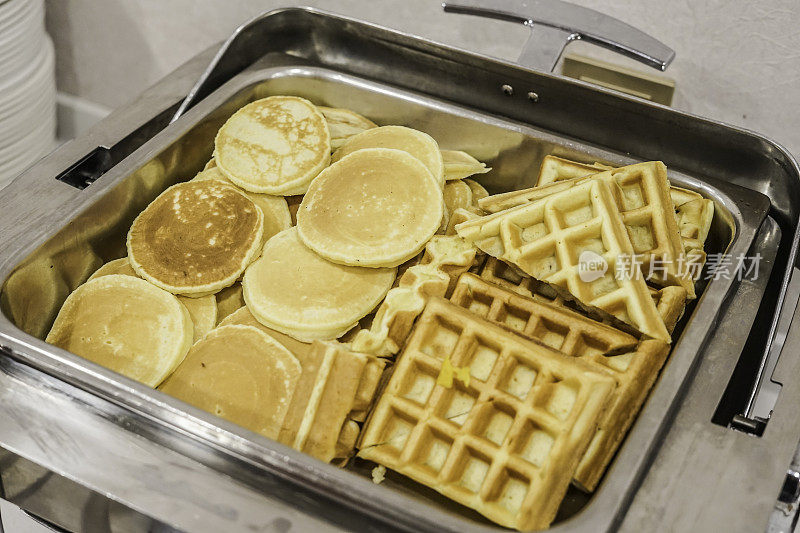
pixel 554 24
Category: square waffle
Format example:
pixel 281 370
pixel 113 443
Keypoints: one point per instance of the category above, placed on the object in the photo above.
pixel 642 194
pixel 558 169
pixel 545 239
pixel 506 440
pixel 635 368
pixel 669 301
pixel 342 388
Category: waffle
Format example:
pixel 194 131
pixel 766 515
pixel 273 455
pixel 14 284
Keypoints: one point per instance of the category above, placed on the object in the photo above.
pixel 459 165
pixel 557 169
pixel 693 212
pixel 669 301
pixel 634 370
pixel 507 442
pixel 344 384
pixel 545 239
pixel 641 193
pixel 445 258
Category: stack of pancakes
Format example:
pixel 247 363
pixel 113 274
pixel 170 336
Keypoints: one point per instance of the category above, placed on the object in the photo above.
pixel 333 284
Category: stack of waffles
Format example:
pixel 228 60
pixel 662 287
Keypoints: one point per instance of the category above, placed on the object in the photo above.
pixel 518 372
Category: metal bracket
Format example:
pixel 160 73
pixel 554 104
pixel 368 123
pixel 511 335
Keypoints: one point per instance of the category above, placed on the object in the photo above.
pixel 554 24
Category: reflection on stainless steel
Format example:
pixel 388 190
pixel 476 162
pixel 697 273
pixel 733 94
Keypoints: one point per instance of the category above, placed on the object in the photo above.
pixel 450 94
pixel 555 23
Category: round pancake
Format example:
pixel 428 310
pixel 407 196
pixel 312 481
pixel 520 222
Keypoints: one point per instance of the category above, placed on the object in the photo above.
pixel 419 144
pixel 243 317
pixel 196 237
pixel 203 310
pixel 295 291
pixel 343 124
pixel 125 324
pixel 229 300
pixel 275 145
pixel 240 374
pixel 276 211
pixel 376 207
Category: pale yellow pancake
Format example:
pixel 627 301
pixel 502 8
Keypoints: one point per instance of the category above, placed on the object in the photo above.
pixel 240 374
pixel 127 325
pixel 203 310
pixel 196 237
pixel 459 165
pixel 419 144
pixel 275 145
pixel 243 317
pixel 295 291
pixel 275 208
pixel 343 124
pixel 376 207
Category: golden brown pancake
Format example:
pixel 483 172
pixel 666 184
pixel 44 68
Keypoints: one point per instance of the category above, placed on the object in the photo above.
pixel 196 237
pixel 275 145
pixel 418 144
pixel 239 374
pixel 275 209
pixel 376 207
pixel 295 291
pixel 125 324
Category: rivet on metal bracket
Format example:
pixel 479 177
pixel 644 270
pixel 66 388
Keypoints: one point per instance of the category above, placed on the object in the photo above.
pixel 508 90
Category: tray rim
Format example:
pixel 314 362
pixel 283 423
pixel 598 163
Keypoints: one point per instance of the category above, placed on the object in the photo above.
pixel 72 368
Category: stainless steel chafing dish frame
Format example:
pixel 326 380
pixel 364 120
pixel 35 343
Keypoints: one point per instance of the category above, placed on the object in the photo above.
pixel 26 226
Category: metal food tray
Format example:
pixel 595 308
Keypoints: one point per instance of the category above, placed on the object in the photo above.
pixel 341 62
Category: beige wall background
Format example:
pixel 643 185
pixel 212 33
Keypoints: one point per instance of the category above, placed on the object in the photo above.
pixel 737 60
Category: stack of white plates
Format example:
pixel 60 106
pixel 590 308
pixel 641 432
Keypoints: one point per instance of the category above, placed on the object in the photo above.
pixel 27 87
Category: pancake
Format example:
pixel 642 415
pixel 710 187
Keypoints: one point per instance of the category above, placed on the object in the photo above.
pixel 376 207
pixel 275 145
pixel 203 310
pixel 419 144
pixel 459 165
pixel 125 324
pixel 196 238
pixel 343 124
pixel 241 375
pixel 275 208
pixel 243 317
pixel 211 164
pixel 295 291
pixel 229 300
